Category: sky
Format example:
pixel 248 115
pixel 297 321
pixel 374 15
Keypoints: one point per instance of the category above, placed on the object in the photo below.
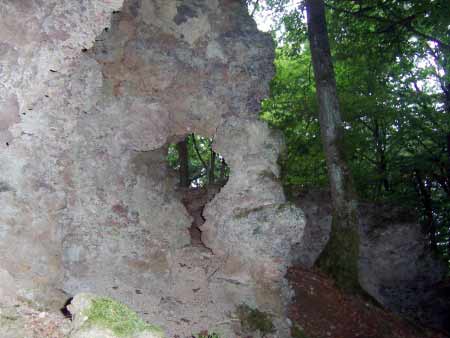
pixel 265 18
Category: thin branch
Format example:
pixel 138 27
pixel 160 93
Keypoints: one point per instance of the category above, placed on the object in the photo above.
pixel 404 22
pixel 255 8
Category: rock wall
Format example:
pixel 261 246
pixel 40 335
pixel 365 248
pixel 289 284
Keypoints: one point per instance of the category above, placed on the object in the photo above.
pixel 93 93
pixel 39 49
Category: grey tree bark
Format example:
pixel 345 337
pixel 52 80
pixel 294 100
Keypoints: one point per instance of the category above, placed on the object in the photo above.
pixel 212 168
pixel 340 256
pixel 183 155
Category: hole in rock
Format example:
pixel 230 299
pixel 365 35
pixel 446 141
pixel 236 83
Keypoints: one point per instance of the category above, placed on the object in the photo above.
pixel 65 311
pixel 201 174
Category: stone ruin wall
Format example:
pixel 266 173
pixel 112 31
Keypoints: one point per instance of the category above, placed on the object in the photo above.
pixel 91 93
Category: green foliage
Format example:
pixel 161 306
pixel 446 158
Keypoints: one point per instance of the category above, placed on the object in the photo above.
pixel 199 159
pixel 121 320
pixel 207 335
pixel 292 108
pixel 297 332
pixel 392 65
pixel 254 320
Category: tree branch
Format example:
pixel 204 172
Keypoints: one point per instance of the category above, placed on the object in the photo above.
pixel 404 22
pixel 255 8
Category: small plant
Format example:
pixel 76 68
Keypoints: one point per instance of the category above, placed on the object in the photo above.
pixel 297 332
pixel 206 334
pixel 255 320
pixel 117 317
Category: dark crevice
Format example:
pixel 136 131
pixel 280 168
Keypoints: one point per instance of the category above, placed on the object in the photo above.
pixel 195 200
pixel 65 311
pixel 201 172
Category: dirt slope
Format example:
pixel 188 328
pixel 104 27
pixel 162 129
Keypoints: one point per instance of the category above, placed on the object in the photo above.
pixel 320 310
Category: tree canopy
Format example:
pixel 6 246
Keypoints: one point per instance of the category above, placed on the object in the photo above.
pixel 392 71
pixel 197 163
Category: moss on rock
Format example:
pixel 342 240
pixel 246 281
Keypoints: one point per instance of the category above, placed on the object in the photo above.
pixel 297 332
pixel 122 321
pixel 254 320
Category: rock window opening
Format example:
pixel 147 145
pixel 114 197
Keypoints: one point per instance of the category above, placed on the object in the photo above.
pixel 201 174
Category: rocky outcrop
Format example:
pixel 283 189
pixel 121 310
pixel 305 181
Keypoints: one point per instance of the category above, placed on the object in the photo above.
pixel 396 266
pixel 38 44
pixel 93 92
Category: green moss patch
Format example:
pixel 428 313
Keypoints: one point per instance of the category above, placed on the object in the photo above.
pixel 254 320
pixel 297 332
pixel 207 335
pixel 121 320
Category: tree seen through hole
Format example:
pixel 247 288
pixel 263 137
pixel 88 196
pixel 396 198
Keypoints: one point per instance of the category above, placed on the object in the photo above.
pixel 197 163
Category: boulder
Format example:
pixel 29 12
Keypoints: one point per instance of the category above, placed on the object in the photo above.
pixel 396 266
pixel 100 317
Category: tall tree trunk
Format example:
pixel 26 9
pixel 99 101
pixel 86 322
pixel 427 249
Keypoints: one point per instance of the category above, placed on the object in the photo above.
pixel 183 155
pixel 341 254
pixel 212 168
pixel 425 194
pixel 381 157
pixel 223 169
pixel 448 165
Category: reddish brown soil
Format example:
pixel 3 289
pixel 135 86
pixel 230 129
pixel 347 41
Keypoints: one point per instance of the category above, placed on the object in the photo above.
pixel 195 199
pixel 323 311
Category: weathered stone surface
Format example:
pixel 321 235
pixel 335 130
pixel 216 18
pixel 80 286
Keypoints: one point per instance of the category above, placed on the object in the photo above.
pixel 87 201
pixel 8 290
pixel 36 51
pixel 396 267
pixel 22 320
pixel 399 270
pixel 318 213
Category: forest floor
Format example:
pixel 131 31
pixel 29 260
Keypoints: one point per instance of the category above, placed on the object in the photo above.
pixel 320 310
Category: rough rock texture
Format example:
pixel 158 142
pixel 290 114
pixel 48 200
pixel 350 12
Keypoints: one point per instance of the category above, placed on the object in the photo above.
pixel 22 320
pixel 8 289
pixel 318 211
pixel 399 270
pixel 396 267
pixel 88 105
pixel 35 53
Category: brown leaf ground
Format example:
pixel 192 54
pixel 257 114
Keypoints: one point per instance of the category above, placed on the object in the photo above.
pixel 320 310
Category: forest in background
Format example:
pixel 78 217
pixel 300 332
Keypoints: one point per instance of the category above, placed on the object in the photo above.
pixel 391 64
pixel 392 68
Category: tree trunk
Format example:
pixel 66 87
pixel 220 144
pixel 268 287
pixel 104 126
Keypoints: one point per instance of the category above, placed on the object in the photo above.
pixel 223 168
pixel 212 168
pixel 425 195
pixel 183 156
pixel 341 254
pixel 381 158
pixel 448 165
